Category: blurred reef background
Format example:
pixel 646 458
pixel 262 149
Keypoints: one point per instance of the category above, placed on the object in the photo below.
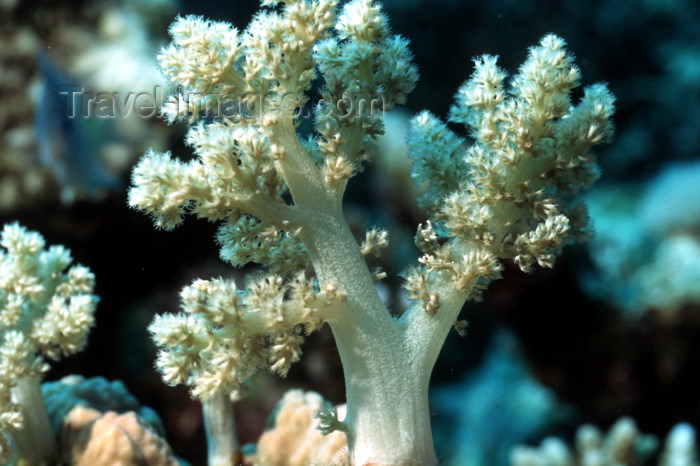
pixel 613 330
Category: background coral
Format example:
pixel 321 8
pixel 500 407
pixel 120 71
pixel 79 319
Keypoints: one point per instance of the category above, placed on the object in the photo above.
pixel 46 312
pixel 623 444
pixel 294 438
pixel 93 438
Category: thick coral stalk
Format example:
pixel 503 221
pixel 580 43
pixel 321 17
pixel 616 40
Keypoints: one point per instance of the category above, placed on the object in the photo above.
pixel 35 440
pixel 220 429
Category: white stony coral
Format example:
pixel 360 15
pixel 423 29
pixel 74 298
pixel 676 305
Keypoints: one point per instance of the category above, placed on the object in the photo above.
pixel 680 448
pixel 46 311
pixel 623 444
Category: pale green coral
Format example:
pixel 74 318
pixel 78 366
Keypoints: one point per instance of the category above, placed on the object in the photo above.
pixel 531 154
pixel 224 334
pixel 248 169
pixel 279 197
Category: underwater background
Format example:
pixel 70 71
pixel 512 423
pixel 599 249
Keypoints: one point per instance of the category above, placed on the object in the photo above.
pixel 613 330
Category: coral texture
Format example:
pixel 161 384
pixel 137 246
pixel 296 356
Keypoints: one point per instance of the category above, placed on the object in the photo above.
pixel 278 197
pixel 46 311
pixel 91 438
pixel 295 439
pixel 623 444
pixel 62 396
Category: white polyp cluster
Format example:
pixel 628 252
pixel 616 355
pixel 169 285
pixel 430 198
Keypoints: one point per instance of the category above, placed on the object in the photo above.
pixel 257 178
pixel 622 444
pixel 46 312
pixel 509 194
pixel 223 335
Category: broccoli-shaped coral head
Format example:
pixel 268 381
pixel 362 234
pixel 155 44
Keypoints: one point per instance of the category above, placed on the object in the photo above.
pixel 278 197
pixel 509 195
pixel 46 311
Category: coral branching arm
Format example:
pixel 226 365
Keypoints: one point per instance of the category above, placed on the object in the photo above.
pixel 277 196
pixel 508 196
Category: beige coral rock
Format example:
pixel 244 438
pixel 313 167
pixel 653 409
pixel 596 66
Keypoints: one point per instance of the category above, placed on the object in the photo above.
pixel 295 440
pixel 92 438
